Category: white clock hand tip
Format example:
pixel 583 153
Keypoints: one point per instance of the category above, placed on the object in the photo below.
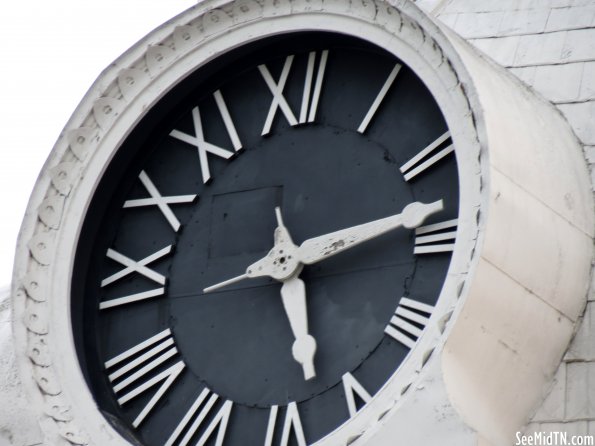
pixel 224 283
pixel 415 213
pixel 279 217
pixel 303 350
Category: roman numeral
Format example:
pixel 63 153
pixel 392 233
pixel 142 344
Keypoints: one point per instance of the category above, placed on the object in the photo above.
pixel 308 110
pixel 352 387
pixel 220 420
pixel 430 239
pixel 139 267
pixel 376 104
pixel 198 140
pixel 160 201
pixel 310 98
pixel 410 319
pixel 134 365
pixel 427 157
pixel 292 424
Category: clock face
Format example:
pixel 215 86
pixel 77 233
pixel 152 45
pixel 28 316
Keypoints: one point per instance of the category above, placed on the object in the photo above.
pixel 247 168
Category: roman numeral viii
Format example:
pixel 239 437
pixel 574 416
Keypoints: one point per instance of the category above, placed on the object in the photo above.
pixel 310 94
pixel 136 366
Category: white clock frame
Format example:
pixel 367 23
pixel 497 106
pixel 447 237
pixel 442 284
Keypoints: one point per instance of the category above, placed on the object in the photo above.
pixel 470 338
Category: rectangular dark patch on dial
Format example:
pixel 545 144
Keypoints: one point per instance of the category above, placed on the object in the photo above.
pixel 243 222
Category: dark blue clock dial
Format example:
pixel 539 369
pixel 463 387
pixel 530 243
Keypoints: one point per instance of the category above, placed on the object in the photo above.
pixel 333 131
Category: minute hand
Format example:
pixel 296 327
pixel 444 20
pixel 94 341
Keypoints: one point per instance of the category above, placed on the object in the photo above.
pixel 322 247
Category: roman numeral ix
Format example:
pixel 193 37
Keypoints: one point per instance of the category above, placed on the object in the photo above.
pixel 140 267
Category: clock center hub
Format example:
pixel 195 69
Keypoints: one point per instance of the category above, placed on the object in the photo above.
pixel 285 263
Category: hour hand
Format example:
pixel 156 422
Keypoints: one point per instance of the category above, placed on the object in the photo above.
pixel 318 248
pixel 293 294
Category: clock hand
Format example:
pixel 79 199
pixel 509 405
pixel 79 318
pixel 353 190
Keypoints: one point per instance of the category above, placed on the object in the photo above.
pixel 225 283
pixel 293 294
pixel 280 263
pixel 322 247
pixel 285 258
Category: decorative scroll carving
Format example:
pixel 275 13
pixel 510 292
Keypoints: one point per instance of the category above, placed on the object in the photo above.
pixel 132 82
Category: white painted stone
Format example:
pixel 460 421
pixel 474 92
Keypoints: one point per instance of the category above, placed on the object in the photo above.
pixel 570 428
pixel 482 5
pixel 581 117
pixel 512 156
pixel 531 428
pixel 590 154
pixel 427 5
pixel 491 404
pixel 570 18
pixel 579 45
pixel 538 249
pixel 18 423
pixel 449 431
pixel 580 398
pixel 552 408
pixel 449 20
pixel 559 83
pixel 483 442
pixel 582 347
pixel 476 25
pixel 502 50
pixel 540 49
pixel 524 21
pixel 518 150
pixel 569 3
pixel 587 90
pixel 525 74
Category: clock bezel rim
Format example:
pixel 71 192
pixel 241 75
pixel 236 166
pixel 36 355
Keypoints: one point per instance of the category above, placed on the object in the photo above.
pixel 463 136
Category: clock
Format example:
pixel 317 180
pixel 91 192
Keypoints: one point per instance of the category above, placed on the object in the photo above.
pixel 249 168
pixel 301 222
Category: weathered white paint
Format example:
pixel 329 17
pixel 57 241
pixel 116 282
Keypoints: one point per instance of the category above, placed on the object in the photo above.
pixel 18 422
pixel 479 366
